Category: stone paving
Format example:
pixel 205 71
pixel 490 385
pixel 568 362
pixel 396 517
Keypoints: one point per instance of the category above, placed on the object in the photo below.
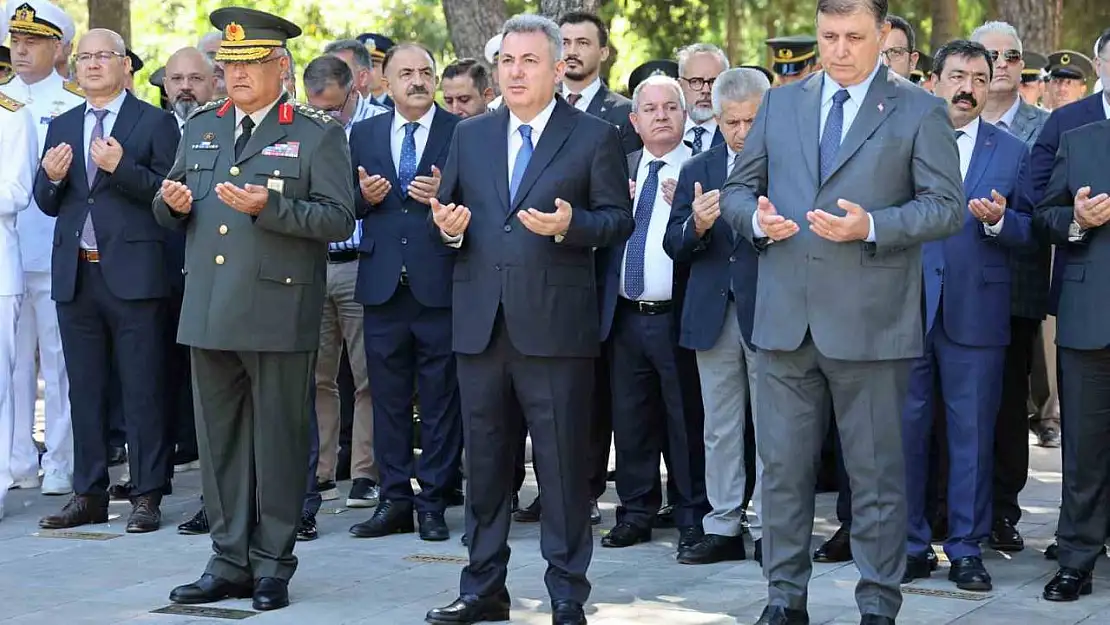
pixel 390 581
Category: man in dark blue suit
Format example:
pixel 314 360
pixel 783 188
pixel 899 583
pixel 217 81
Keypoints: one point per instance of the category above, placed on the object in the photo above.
pixel 699 65
pixel 527 193
pixel 1074 211
pixel 103 164
pixel 404 282
pixel 967 304
pixel 717 317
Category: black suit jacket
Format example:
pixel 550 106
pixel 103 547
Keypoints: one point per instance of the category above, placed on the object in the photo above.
pixel 1084 286
pixel 615 109
pixel 545 289
pixel 130 242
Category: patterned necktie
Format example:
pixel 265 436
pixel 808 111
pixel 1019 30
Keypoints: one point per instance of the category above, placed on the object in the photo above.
pixel 241 143
pixel 88 233
pixel 573 98
pixel 521 163
pixel 696 146
pixel 834 129
pixel 637 243
pixel 735 162
pixel 406 169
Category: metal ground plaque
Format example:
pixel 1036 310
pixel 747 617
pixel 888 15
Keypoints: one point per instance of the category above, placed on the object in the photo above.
pixel 204 611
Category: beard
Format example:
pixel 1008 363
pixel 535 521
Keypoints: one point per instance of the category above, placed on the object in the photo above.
pixel 184 107
pixel 701 114
pixel 579 74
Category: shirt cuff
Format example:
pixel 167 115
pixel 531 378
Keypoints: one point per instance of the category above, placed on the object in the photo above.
pixel 870 229
pixel 757 232
pixel 993 231
pixel 451 241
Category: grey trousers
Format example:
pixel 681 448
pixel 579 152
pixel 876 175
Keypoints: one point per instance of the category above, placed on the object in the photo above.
pixel 728 384
pixel 868 398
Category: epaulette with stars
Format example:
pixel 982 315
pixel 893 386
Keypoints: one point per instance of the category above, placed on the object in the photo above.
pixel 73 88
pixel 206 107
pixel 9 103
pixel 7 79
pixel 314 114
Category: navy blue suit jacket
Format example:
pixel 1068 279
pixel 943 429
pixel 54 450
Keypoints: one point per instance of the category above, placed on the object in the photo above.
pixel 131 244
pixel 972 265
pixel 545 289
pixel 1086 111
pixel 718 261
pixel 395 232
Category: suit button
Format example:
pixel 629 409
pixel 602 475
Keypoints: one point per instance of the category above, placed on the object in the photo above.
pixel 223 228
pixel 92 201
pixel 404 241
pixel 182 271
pixel 732 259
pixel 219 259
pixel 404 210
pixel 289 280
pixel 497 267
pixel 234 171
pixel 508 228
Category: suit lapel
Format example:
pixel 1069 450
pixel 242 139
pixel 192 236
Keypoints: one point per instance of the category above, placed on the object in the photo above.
pixel 499 154
pixel 438 136
pixel 122 126
pixel 551 140
pixel 266 133
pixel 809 124
pixel 716 170
pixel 877 105
pixel 77 131
pixel 600 104
pixel 980 157
pixel 383 153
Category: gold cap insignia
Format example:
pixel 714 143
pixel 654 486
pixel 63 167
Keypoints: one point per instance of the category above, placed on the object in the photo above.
pixel 234 32
pixel 1065 59
pixel 24 13
pixel 786 54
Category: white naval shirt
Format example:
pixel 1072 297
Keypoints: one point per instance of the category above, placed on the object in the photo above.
pixel 18 142
pixel 45 99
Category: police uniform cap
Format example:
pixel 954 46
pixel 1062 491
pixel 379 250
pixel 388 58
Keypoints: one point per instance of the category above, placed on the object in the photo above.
pixel 493 46
pixel 158 77
pixel 791 54
pixel 376 44
pixel 662 67
pixel 1035 64
pixel 1070 64
pixel 250 35
pixel 136 61
pixel 766 72
pixel 36 17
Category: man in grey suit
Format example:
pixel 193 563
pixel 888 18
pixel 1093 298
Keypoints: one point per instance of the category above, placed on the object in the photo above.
pixel 838 307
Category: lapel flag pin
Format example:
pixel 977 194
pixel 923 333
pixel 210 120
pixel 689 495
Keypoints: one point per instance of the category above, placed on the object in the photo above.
pixel 880 107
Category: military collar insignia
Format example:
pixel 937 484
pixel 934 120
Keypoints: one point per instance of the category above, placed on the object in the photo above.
pixel 224 109
pixel 285 113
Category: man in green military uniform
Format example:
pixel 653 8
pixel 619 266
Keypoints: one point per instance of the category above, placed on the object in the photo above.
pixel 793 57
pixel 261 185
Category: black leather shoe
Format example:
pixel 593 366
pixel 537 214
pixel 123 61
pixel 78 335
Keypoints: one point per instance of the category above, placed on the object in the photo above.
pixel 464 540
pixel 917 567
pixel 595 513
pixel 80 510
pixel 196 525
pixel 689 536
pixel 472 609
pixel 306 530
pixel 970 574
pixel 531 514
pixel 1068 585
pixel 1005 537
pixel 389 518
pixel 565 612
pixel 664 519
pixel 455 497
pixel 145 514
pixel 714 548
pixel 836 549
pixel 758 551
pixel 1051 552
pixel 117 456
pixel 209 589
pixel 626 535
pixel 432 527
pixel 270 593
pixel 875 619
pixel 514 502
pixel 778 615
pixel 931 556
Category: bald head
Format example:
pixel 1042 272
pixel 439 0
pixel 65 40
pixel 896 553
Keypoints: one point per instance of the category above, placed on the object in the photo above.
pixel 103 39
pixel 103 67
pixel 190 80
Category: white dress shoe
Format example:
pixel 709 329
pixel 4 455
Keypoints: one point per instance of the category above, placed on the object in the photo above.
pixel 56 484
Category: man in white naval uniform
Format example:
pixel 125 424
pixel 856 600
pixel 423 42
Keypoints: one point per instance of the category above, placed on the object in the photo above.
pixel 19 146
pixel 38 30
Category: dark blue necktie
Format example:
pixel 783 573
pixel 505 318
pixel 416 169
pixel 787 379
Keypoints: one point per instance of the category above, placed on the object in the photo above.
pixel 637 243
pixel 834 129
pixel 521 163
pixel 696 146
pixel 406 169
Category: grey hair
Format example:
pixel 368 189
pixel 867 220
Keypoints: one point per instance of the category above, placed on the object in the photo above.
pixel 215 35
pixel 878 9
pixel 738 85
pixel 999 28
pixel 118 45
pixel 683 56
pixel 292 64
pixel 357 50
pixel 657 79
pixel 530 23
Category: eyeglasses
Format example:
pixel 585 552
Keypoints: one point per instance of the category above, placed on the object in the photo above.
pixel 894 54
pixel 337 112
pixel 1011 56
pixel 697 83
pixel 101 57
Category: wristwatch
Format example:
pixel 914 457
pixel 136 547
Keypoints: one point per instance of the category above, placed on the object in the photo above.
pixel 1075 231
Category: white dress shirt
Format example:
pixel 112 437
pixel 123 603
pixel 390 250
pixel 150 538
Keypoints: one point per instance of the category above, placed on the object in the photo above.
pixel 658 267
pixel 108 124
pixel 966 145
pixel 1106 104
pixel 587 94
pixel 707 138
pixel 256 117
pixel 19 144
pixel 420 137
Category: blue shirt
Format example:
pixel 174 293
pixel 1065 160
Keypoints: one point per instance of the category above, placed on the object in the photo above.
pixel 364 109
pixel 109 122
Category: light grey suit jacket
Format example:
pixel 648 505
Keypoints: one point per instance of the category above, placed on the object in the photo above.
pixel 898 160
pixel 1028 122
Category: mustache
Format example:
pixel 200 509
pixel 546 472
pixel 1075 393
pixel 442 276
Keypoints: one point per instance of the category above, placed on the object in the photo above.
pixel 417 90
pixel 574 58
pixel 965 97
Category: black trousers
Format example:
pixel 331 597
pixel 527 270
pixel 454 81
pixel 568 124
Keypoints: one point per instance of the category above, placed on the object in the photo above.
pixel 1011 432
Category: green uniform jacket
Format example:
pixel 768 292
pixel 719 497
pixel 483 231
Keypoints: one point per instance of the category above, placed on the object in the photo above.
pixel 257 283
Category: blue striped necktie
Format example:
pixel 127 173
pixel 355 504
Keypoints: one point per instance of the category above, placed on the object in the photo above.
pixel 521 163
pixel 834 130
pixel 637 243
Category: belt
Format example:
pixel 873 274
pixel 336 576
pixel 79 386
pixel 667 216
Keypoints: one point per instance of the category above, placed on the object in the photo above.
pixel 645 308
pixel 404 279
pixel 89 256
pixel 342 256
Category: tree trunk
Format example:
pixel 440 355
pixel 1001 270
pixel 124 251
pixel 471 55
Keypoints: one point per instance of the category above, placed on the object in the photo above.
pixel 946 23
pixel 1038 21
pixel 471 24
pixel 557 8
pixel 114 15
pixel 732 30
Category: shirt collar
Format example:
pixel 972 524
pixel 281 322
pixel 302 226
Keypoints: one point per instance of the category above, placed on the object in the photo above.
pixel 258 115
pixel 710 126
pixel 1106 103
pixel 538 122
pixel 971 130
pixel 424 122
pixel 675 158
pixel 589 92
pixel 112 107
pixel 731 154
pixel 856 92
pixel 1010 114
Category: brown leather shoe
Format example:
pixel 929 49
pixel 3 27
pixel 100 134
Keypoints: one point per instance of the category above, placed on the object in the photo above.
pixel 145 515
pixel 80 510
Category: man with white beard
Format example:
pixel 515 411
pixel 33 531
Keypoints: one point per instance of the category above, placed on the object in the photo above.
pixel 699 65
pixel 190 82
